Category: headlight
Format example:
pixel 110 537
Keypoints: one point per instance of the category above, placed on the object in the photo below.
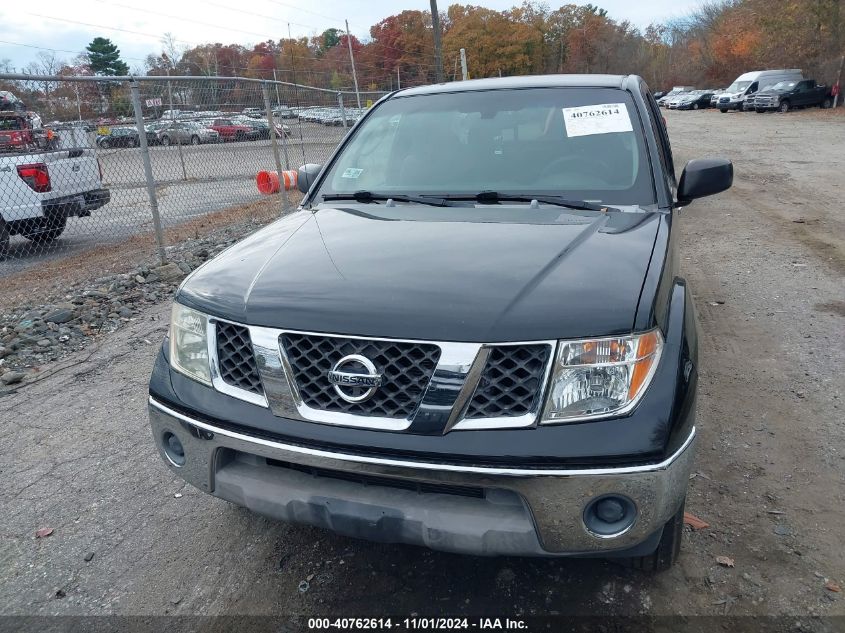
pixel 600 377
pixel 189 343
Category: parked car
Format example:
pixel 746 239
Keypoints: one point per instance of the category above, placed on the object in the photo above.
pixel 255 113
pixel 695 100
pixel 186 132
pixel 284 112
pixel 674 92
pixel 123 137
pixel 261 129
pixel 787 95
pixel 747 84
pixel 40 190
pixel 230 130
pixel 532 392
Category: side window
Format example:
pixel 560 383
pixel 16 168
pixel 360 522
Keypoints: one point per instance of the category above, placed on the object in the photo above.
pixel 753 88
pixel 659 129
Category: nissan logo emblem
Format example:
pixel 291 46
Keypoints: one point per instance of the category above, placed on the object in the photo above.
pixel 355 378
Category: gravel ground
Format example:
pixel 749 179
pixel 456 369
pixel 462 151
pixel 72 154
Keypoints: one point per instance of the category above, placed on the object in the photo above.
pixel 765 260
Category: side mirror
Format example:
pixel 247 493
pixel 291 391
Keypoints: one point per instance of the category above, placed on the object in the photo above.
pixel 704 177
pixel 306 175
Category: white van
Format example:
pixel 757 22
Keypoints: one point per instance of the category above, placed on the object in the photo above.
pixel 748 83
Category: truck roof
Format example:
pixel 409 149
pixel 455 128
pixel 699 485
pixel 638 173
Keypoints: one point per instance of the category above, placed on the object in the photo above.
pixel 525 81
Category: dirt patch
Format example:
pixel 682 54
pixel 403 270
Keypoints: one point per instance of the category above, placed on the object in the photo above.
pixel 833 307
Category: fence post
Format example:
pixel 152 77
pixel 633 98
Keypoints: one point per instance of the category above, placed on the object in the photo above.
pixel 275 143
pixel 342 109
pixel 148 168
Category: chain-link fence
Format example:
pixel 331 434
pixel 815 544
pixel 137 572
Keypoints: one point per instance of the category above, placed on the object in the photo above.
pixel 93 163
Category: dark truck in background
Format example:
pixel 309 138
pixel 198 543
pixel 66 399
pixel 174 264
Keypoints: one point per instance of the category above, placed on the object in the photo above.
pixel 471 336
pixel 786 95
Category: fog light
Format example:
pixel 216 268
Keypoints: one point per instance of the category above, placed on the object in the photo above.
pixel 609 516
pixel 173 449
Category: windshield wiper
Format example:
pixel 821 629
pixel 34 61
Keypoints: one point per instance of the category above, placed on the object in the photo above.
pixel 492 197
pixel 369 196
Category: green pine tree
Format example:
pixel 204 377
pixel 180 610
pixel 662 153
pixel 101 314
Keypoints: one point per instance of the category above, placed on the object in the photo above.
pixel 104 58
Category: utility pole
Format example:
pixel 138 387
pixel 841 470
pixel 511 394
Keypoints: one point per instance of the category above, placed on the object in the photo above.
pixel 464 64
pixel 838 81
pixel 352 60
pixel 78 104
pixel 278 101
pixel 438 50
pixel 398 81
pixel 175 131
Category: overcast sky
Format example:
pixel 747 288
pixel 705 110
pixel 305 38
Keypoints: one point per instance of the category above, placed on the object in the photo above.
pixel 136 27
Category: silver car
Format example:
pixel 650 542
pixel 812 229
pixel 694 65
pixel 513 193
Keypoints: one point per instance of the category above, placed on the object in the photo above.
pixel 185 132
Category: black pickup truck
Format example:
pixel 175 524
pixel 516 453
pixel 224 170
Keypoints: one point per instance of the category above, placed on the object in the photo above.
pixel 787 95
pixel 471 336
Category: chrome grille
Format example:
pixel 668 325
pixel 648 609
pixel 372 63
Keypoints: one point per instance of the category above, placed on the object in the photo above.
pixel 406 370
pixel 510 383
pixel 235 358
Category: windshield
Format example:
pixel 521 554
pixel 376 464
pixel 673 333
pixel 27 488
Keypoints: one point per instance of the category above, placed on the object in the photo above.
pixel 738 86
pixel 11 123
pixel 580 143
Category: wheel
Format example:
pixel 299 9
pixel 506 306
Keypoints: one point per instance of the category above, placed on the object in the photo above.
pixel 239 136
pixel 668 549
pixel 759 110
pixel 165 140
pixel 827 103
pixel 784 106
pixel 722 110
pixel 695 106
pixel 105 144
pixel 195 140
pixel 4 239
pixel 47 230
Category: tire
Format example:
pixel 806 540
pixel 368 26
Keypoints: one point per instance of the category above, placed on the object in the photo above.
pixel 195 140
pixel 826 104
pixel 105 144
pixel 695 106
pixel 239 136
pixel 165 140
pixel 784 107
pixel 49 230
pixel 759 110
pixel 668 549
pixel 4 240
pixel 722 111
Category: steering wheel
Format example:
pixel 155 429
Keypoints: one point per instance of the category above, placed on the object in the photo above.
pixel 591 165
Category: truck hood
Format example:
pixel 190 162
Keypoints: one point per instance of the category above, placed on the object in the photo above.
pixel 474 274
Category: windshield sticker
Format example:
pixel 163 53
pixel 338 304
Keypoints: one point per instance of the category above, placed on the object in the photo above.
pixel 597 119
pixel 351 172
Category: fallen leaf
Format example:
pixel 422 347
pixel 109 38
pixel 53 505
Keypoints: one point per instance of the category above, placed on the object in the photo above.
pixel 832 586
pixel 694 522
pixel 309 577
pixel 43 532
pixel 724 561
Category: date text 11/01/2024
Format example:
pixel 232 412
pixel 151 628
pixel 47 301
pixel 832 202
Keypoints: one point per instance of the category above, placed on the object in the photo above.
pixel 418 623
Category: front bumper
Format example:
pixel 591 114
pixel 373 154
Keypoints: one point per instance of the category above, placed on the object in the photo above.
pixel 452 507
